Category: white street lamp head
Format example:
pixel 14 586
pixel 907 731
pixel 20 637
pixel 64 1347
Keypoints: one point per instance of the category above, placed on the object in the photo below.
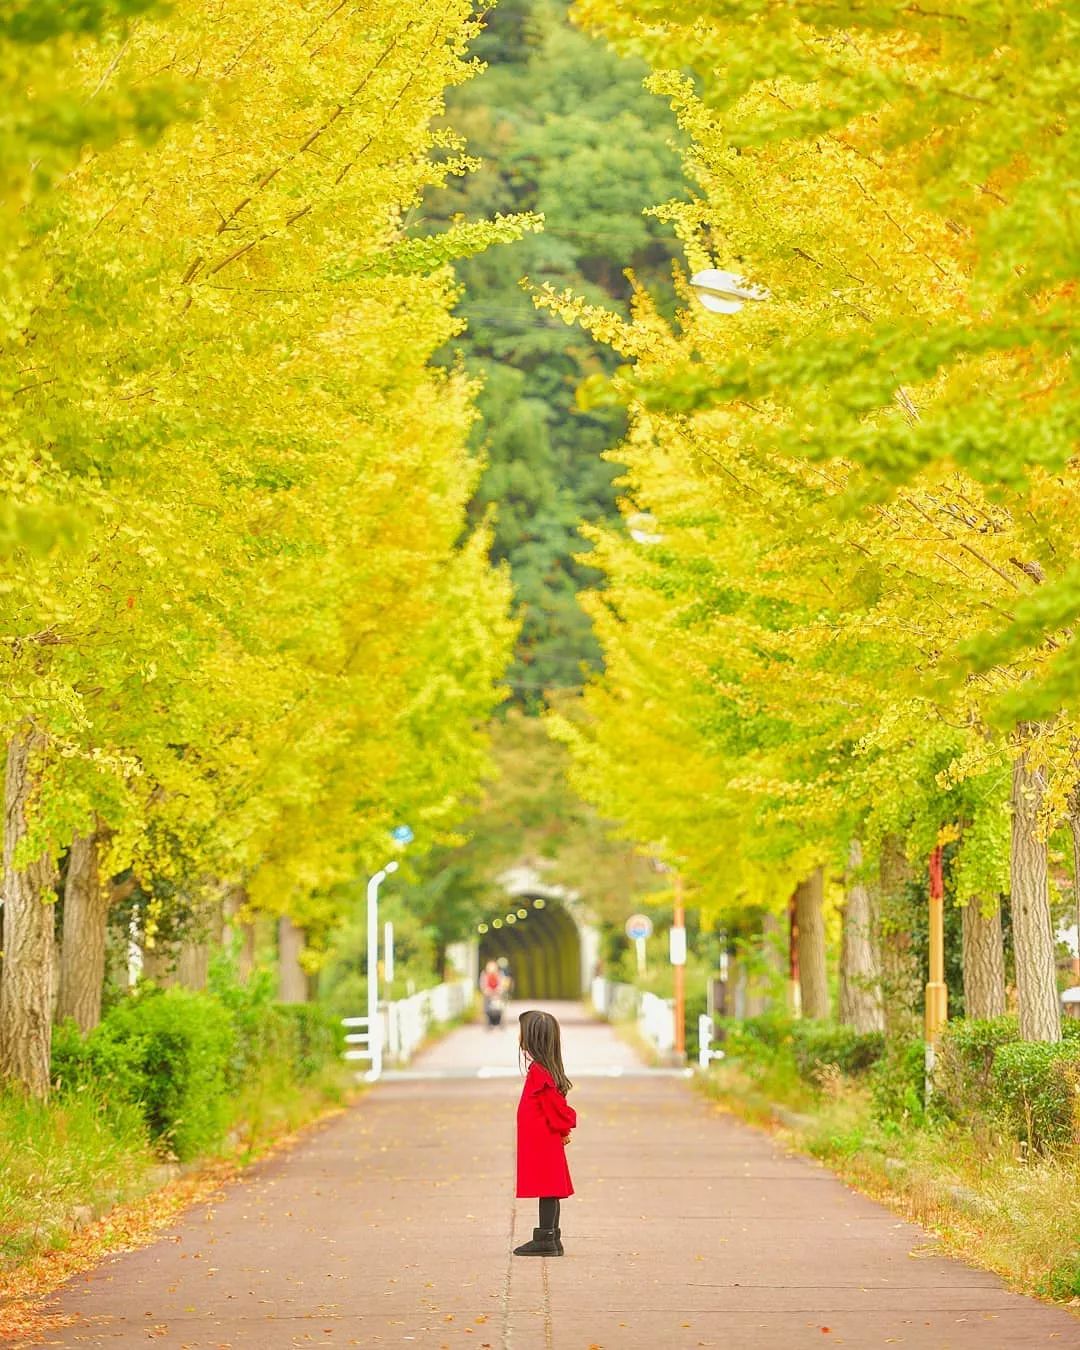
pixel 391 866
pixel 642 528
pixel 725 292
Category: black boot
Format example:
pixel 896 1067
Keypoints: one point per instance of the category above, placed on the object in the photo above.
pixel 558 1242
pixel 543 1244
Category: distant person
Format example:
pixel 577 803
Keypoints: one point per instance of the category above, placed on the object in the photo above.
pixel 492 991
pixel 544 1122
pixel 508 976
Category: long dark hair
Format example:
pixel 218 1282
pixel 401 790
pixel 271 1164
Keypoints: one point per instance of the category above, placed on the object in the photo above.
pixel 540 1039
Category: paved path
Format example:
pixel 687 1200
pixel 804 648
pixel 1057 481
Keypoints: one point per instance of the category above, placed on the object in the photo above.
pixel 392 1226
pixel 590 1048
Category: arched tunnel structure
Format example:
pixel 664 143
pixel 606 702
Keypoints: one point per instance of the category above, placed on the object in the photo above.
pixel 544 934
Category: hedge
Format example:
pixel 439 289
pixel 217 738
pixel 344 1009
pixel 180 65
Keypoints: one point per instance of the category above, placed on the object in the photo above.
pixel 168 1054
pixel 983 1074
pixel 180 1057
pixel 812 1045
pixel 819 1044
pixel 757 1037
pixel 1035 1091
pixel 965 1063
pixel 898 1083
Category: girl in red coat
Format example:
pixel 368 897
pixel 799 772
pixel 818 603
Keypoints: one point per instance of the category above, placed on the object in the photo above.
pixel 544 1122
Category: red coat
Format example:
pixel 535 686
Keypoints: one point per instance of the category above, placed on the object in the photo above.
pixel 544 1121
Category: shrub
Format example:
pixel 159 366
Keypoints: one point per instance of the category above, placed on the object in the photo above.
pixel 181 1058
pixel 760 1038
pixel 1036 1092
pixel 111 1068
pixel 263 1036
pixel 317 1036
pixel 965 1063
pixel 898 1083
pixel 167 1053
pixel 817 1044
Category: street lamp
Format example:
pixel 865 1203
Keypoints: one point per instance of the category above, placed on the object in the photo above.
pixel 374 1025
pixel 725 292
pixel 642 528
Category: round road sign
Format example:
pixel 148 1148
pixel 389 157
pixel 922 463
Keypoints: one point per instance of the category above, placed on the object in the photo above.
pixel 639 926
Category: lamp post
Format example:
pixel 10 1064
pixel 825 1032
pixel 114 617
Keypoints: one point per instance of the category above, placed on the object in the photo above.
pixel 375 1036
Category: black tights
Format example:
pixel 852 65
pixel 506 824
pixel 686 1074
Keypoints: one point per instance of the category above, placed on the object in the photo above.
pixel 549 1212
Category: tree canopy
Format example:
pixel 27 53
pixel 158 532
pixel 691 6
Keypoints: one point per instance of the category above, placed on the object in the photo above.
pixel 559 125
pixel 854 615
pixel 247 624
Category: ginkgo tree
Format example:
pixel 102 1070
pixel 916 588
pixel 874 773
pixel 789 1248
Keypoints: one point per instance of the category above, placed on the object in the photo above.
pixel 267 631
pixel 861 482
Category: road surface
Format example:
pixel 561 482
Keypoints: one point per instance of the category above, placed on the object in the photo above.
pixel 392 1225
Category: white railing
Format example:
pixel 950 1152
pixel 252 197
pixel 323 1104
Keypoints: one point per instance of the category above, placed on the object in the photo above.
pixel 655 1016
pixel 404 1024
pixel 656 1022
pixel 407 1021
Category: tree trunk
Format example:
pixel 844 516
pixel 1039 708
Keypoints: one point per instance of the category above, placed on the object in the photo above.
pixel 27 977
pixel 809 916
pixel 1033 932
pixel 775 958
pixel 245 958
pixel 240 928
pixel 793 994
pixel 82 952
pixel 860 974
pixel 984 962
pixel 206 929
pixel 159 964
pixel 193 964
pixel 292 981
pixel 901 978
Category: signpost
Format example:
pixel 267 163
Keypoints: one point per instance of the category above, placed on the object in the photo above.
pixel 639 927
pixel 677 944
pixel 678 960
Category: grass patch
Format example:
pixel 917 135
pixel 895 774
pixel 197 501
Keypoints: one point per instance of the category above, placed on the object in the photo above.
pixel 276 1105
pixel 991 1201
pixel 63 1164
